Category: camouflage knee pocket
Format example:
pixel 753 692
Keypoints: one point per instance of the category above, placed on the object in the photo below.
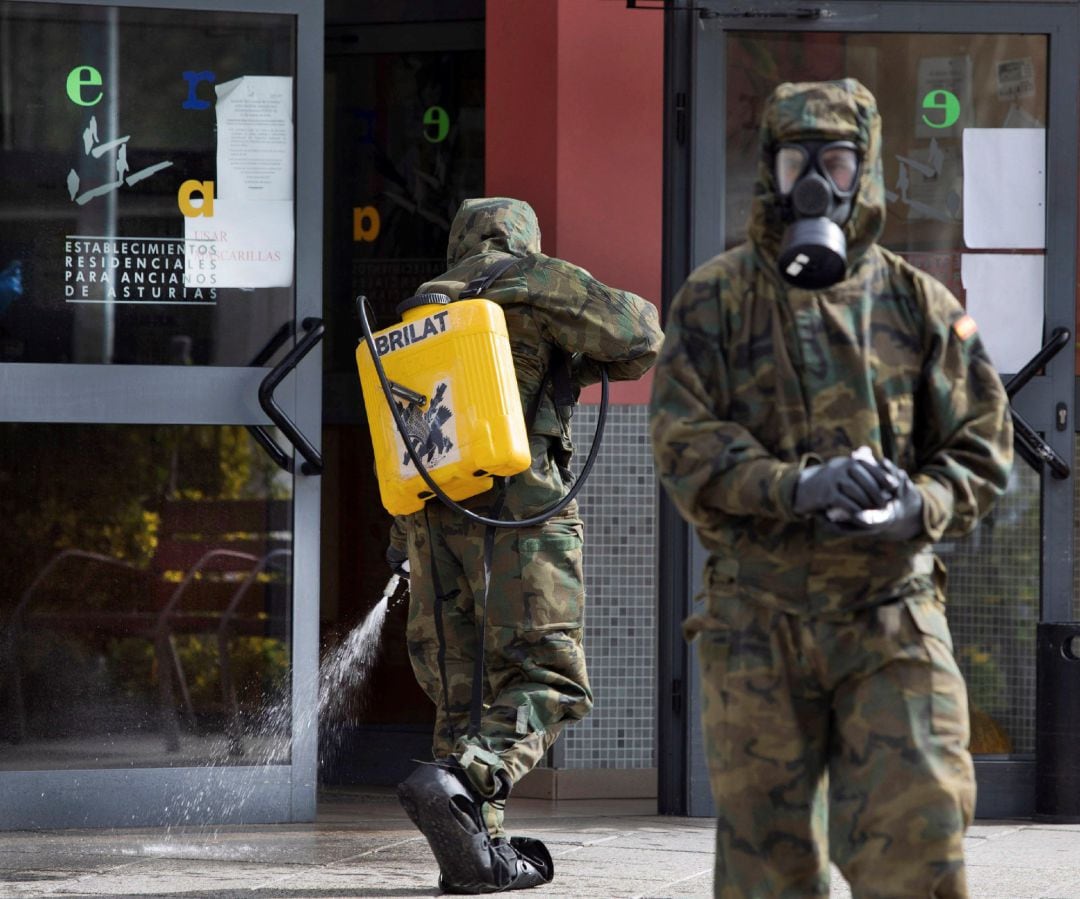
pixel 536 609
pixel 946 690
pixel 539 677
pixel 540 584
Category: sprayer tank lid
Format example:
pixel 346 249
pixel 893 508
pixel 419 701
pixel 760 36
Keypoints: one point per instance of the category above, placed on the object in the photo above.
pixel 422 299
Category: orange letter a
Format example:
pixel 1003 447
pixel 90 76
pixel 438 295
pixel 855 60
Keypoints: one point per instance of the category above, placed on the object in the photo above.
pixel 205 189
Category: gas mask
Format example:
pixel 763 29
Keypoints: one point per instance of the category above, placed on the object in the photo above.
pixel 816 183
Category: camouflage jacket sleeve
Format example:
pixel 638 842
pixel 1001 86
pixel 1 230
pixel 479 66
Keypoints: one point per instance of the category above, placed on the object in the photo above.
pixel 583 316
pixel 709 465
pixel 398 539
pixel 964 429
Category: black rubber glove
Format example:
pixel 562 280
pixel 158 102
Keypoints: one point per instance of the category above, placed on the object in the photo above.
pixel 901 519
pixel 845 483
pixel 398 560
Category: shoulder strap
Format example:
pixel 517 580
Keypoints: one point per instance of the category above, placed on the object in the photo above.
pixel 558 372
pixel 478 285
pixel 562 388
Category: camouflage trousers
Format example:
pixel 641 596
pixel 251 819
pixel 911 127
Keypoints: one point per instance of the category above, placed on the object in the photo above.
pixel 844 738
pixel 534 664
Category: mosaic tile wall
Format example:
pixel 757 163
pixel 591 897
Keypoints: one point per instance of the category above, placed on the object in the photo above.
pixel 993 606
pixel 618 506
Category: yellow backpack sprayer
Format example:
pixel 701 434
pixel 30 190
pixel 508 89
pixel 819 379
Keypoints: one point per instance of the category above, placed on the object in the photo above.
pixel 452 379
pixel 443 404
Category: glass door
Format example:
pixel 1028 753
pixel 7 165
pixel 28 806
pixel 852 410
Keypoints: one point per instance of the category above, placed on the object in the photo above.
pixel 979 137
pixel 159 370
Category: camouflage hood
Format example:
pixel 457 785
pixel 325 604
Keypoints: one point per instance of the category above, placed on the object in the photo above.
pixel 493 224
pixel 832 110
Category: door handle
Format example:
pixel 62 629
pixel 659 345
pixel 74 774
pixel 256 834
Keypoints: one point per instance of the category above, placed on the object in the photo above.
pixel 1029 445
pixel 258 432
pixel 1036 451
pixel 313 461
pixel 1059 338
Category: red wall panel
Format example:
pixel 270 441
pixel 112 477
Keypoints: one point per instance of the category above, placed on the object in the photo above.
pixel 574 115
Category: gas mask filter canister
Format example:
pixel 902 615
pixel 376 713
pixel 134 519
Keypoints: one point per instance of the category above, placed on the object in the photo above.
pixel 816 182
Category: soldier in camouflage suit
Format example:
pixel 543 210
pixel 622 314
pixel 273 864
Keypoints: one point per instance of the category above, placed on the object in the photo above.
pixel 534 662
pixel 835 716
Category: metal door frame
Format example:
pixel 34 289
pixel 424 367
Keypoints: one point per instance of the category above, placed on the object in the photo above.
pixel 165 394
pixel 694 207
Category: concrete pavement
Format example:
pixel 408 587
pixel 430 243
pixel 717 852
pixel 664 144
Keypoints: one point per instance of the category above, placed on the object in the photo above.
pixel 363 846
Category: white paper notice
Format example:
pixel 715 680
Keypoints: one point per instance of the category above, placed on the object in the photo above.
pixel 244 244
pixel 1005 188
pixel 1005 297
pixel 247 239
pixel 255 138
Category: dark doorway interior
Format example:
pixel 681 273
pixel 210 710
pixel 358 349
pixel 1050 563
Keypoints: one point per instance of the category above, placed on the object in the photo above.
pixel 404 146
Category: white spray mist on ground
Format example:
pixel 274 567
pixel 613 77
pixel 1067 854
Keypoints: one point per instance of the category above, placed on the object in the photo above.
pixel 267 741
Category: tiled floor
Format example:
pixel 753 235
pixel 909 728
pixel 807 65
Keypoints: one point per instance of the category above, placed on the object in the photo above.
pixel 363 846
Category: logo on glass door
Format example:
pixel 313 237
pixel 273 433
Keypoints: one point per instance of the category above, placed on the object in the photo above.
pixel 93 147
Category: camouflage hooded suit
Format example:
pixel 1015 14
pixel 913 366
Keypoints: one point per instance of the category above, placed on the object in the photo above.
pixel 835 716
pixel 534 661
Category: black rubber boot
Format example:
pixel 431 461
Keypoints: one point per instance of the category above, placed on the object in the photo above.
pixel 443 805
pixel 517 864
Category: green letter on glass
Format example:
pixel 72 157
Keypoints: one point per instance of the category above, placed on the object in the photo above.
pixel 80 77
pixel 435 117
pixel 947 102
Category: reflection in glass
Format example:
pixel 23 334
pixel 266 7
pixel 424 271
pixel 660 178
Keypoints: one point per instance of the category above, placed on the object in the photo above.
pixel 145 583
pixel 106 114
pixel 998 80
pixel 993 605
pixel 407 147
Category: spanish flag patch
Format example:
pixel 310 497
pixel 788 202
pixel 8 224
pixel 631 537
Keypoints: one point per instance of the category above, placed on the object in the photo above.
pixel 964 327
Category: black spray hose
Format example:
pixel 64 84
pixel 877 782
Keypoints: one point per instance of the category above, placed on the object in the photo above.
pixel 361 307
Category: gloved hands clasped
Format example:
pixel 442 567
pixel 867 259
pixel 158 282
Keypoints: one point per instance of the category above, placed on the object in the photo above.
pixel 860 496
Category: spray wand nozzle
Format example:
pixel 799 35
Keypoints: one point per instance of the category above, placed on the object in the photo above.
pixel 392 586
